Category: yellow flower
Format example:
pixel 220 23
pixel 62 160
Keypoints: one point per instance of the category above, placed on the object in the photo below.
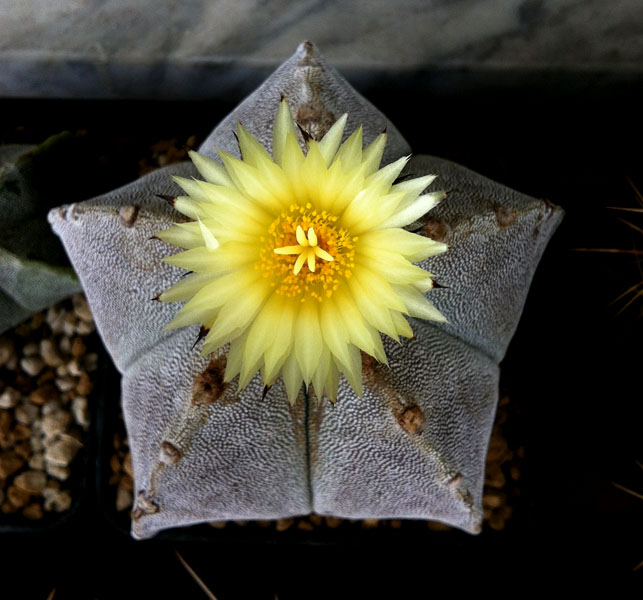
pixel 299 261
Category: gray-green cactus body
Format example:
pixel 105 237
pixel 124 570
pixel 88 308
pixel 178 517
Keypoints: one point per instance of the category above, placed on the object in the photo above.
pixel 413 446
pixel 34 273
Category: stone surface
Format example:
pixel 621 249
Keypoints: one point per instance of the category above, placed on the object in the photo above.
pixel 202 48
pixel 413 446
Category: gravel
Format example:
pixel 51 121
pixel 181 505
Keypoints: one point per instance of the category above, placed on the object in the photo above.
pixel 45 382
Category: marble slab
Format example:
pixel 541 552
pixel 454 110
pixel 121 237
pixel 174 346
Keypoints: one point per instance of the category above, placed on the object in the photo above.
pixel 197 48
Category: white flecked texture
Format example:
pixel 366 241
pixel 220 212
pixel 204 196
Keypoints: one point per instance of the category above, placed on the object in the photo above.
pixel 199 48
pixel 413 446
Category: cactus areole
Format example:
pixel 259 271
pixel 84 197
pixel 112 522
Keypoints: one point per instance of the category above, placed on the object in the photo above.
pixel 303 252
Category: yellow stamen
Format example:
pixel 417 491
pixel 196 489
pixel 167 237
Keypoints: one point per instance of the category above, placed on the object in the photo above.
pixel 296 240
pixel 307 250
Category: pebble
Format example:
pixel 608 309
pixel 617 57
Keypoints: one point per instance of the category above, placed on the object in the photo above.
pixel 127 482
pixel 6 351
pixel 69 324
pixel 55 423
pixel 316 519
pixel 81 308
pixel 283 524
pixel 80 410
pixel 33 512
pixel 31 349
pixel 84 386
pixel 43 394
pixel 36 440
pixel 64 384
pixel 73 368
pixel 37 461
pixel 59 501
pixel 50 407
pixel 6 429
pixel 22 449
pixel 32 482
pixel 369 523
pixel 49 353
pixel 333 522
pixel 32 365
pixel 54 319
pixel 494 500
pixel 84 328
pixel 62 451
pixel 78 347
pixel 12 363
pixel 9 398
pixel 8 508
pixel 65 345
pixel 127 465
pixel 124 498
pixel 17 497
pixel 53 486
pixel 10 462
pixel 115 463
pixel 26 413
pixel 21 432
pixel 37 320
pixel 61 473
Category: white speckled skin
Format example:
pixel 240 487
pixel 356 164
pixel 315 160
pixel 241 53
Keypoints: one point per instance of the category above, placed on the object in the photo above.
pixel 413 446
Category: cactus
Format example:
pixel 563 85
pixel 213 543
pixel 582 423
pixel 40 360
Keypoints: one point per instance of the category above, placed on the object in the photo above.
pixel 414 444
pixel 34 272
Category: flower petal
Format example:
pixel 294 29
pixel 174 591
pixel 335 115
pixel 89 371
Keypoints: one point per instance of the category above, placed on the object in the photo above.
pixel 213 171
pixel 284 125
pixel 372 154
pixel 252 151
pixel 308 339
pixel 262 331
pixel 329 144
pixel 414 211
pixel 183 235
pixel 350 152
pixel 283 333
pixel 418 305
pixel 373 312
pixel 227 257
pixel 208 238
pixel 334 333
pixel 412 246
pixel 292 378
pixel 186 287
pixel 205 304
pixel 321 372
pixel 236 315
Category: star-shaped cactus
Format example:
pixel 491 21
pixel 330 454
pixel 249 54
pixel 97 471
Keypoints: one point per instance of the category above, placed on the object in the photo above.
pixel 412 446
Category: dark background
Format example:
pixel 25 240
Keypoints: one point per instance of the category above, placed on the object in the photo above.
pixel 573 368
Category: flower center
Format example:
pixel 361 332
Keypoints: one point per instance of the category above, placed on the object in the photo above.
pixel 305 254
pixel 307 250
